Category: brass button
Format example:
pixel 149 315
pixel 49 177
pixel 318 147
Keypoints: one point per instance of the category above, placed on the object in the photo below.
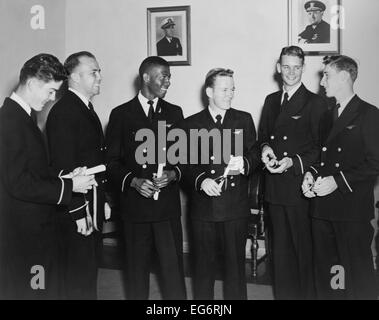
pixel 144 166
pixel 337 165
pixel 285 154
pixel 212 158
pixel 339 149
pixel 324 149
pixel 272 137
pixel 213 172
pixel 232 184
pixel 322 164
pixel 285 138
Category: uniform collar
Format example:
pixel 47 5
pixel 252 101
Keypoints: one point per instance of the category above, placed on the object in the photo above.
pixel 216 113
pixel 344 103
pixel 144 103
pixel 16 98
pixel 292 91
pixel 81 96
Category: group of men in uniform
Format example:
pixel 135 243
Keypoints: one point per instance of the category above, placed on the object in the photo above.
pixel 320 167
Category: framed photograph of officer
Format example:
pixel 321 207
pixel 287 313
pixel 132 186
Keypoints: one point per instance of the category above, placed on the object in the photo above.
pixel 168 34
pixel 314 25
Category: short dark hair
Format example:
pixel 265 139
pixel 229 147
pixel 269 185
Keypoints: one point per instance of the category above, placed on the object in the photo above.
pixel 44 67
pixel 342 63
pixel 211 76
pixel 151 62
pixel 73 60
pixel 294 51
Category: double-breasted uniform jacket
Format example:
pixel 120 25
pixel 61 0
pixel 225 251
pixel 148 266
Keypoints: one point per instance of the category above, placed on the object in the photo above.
pixel 350 153
pixel 124 123
pixel 29 192
pixel 167 48
pixel 233 202
pixel 320 34
pixel 292 131
pixel 76 139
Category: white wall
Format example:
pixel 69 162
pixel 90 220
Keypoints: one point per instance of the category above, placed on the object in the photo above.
pixel 243 35
pixel 19 42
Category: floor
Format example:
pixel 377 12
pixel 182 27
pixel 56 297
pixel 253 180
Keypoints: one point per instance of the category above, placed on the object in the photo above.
pixel 111 282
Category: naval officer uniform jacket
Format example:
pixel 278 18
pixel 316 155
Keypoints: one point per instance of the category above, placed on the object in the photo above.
pixel 220 223
pixel 147 222
pixel 29 193
pixel 291 130
pixel 341 220
pixel 76 139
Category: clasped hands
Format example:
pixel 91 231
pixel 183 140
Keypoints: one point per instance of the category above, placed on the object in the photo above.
pixel 147 187
pixel 321 187
pixel 214 189
pixel 272 164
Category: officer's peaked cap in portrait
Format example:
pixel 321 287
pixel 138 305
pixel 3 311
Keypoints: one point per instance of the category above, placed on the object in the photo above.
pixel 314 6
pixel 167 22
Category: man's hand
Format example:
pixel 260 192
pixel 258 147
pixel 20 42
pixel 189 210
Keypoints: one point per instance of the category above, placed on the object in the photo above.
pixel 236 165
pixel 80 171
pixel 325 186
pixel 165 179
pixel 283 164
pixel 107 211
pixel 144 187
pixel 85 226
pixel 307 185
pixel 211 188
pixel 267 154
pixel 82 184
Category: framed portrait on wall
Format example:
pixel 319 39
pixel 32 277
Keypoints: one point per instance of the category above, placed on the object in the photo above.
pixel 315 26
pixel 168 34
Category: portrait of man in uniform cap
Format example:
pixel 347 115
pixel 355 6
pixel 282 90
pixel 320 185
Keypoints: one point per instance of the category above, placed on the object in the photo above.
pixel 318 31
pixel 169 45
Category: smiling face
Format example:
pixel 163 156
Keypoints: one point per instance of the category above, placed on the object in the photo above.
pixel 222 93
pixel 42 92
pixel 291 69
pixel 156 82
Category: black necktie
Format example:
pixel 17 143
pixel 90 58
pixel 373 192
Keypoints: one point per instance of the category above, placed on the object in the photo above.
pixel 95 116
pixel 218 120
pixel 150 115
pixel 285 99
pixel 335 112
pixel 33 115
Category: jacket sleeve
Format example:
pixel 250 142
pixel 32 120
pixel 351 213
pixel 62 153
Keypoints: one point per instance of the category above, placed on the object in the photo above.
pixel 263 134
pixel 368 169
pixel 303 161
pixel 251 149
pixel 62 131
pixel 119 173
pixel 24 180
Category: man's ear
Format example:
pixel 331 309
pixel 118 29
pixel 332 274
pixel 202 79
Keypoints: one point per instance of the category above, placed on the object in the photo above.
pixel 278 68
pixel 145 77
pixel 74 77
pixel 209 92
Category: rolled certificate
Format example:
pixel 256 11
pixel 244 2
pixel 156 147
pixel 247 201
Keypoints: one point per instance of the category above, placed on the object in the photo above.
pixel 89 171
pixel 158 175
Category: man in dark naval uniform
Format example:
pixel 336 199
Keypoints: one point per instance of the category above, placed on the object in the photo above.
pixel 76 138
pixel 29 188
pixel 343 197
pixel 169 45
pixel 289 138
pixel 319 30
pixel 219 197
pixel 150 221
